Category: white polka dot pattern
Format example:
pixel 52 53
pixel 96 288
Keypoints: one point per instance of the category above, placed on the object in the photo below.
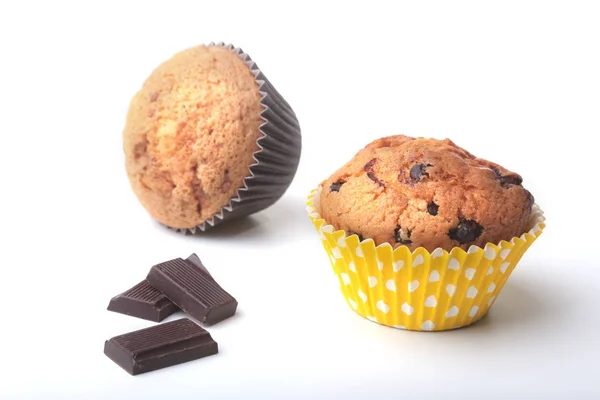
pixel 345 278
pixel 390 285
pixel 362 296
pixel 398 265
pixel 427 325
pixel 337 252
pixel 437 253
pixel 450 289
pixel 490 253
pixel 471 292
pixel 440 290
pixel 473 311
pixel 384 308
pixel 372 281
pixel 412 286
pixel 418 261
pixel 452 312
pixel 453 264
pixel 430 301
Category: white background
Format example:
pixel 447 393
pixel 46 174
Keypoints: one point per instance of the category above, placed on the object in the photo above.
pixel 517 82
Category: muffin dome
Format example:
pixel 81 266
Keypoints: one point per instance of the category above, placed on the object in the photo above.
pixel 191 133
pixel 425 193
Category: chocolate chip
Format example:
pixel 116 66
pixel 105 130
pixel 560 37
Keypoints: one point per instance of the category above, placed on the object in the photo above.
pixel 398 236
pixel 496 172
pixel 372 177
pixel 418 171
pixel 466 231
pixel 153 97
pixel 335 187
pixel 512 179
pixel 432 208
pixel 369 166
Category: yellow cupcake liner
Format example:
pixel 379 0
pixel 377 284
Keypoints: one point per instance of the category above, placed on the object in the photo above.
pixel 420 291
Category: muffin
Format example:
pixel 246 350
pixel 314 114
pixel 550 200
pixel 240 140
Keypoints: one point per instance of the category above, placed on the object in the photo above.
pixel 200 140
pixel 425 193
pixel 421 234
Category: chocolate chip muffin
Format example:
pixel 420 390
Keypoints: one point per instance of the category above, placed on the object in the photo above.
pixel 427 193
pixel 191 133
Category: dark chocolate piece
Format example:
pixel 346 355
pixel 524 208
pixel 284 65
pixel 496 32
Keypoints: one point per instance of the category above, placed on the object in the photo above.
pixel 195 260
pixel 418 171
pixel 505 180
pixel 335 187
pixel 143 301
pixel 160 346
pixel 371 176
pixel 432 208
pixel 398 236
pixel 369 166
pixel 466 231
pixel 192 290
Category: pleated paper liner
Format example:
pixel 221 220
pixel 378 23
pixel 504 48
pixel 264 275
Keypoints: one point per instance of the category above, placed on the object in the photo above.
pixel 276 160
pixel 420 291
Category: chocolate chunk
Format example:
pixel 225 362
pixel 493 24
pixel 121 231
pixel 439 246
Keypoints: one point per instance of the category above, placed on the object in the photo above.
pixel 143 301
pixel 195 260
pixel 418 172
pixel 398 235
pixel 512 179
pixel 160 346
pixel 432 208
pixel 372 177
pixel 369 166
pixel 370 174
pixel 466 231
pixel 192 290
pixel 335 187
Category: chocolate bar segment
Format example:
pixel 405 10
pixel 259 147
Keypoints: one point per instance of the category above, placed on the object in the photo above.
pixel 143 301
pixel 192 290
pixel 195 260
pixel 160 346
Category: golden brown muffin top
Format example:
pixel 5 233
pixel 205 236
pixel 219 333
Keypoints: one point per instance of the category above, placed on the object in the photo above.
pixel 425 193
pixel 191 133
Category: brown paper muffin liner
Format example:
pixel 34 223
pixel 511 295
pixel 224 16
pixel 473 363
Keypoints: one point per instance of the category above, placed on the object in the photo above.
pixel 276 160
pixel 419 290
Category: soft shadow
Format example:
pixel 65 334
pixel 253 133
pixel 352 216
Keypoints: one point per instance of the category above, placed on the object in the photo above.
pixel 280 221
pixel 235 227
pixel 181 314
pixel 521 305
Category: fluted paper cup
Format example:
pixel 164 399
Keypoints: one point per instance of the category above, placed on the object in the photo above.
pixel 418 290
pixel 275 161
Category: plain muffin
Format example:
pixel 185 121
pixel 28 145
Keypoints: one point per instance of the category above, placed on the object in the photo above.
pixel 191 133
